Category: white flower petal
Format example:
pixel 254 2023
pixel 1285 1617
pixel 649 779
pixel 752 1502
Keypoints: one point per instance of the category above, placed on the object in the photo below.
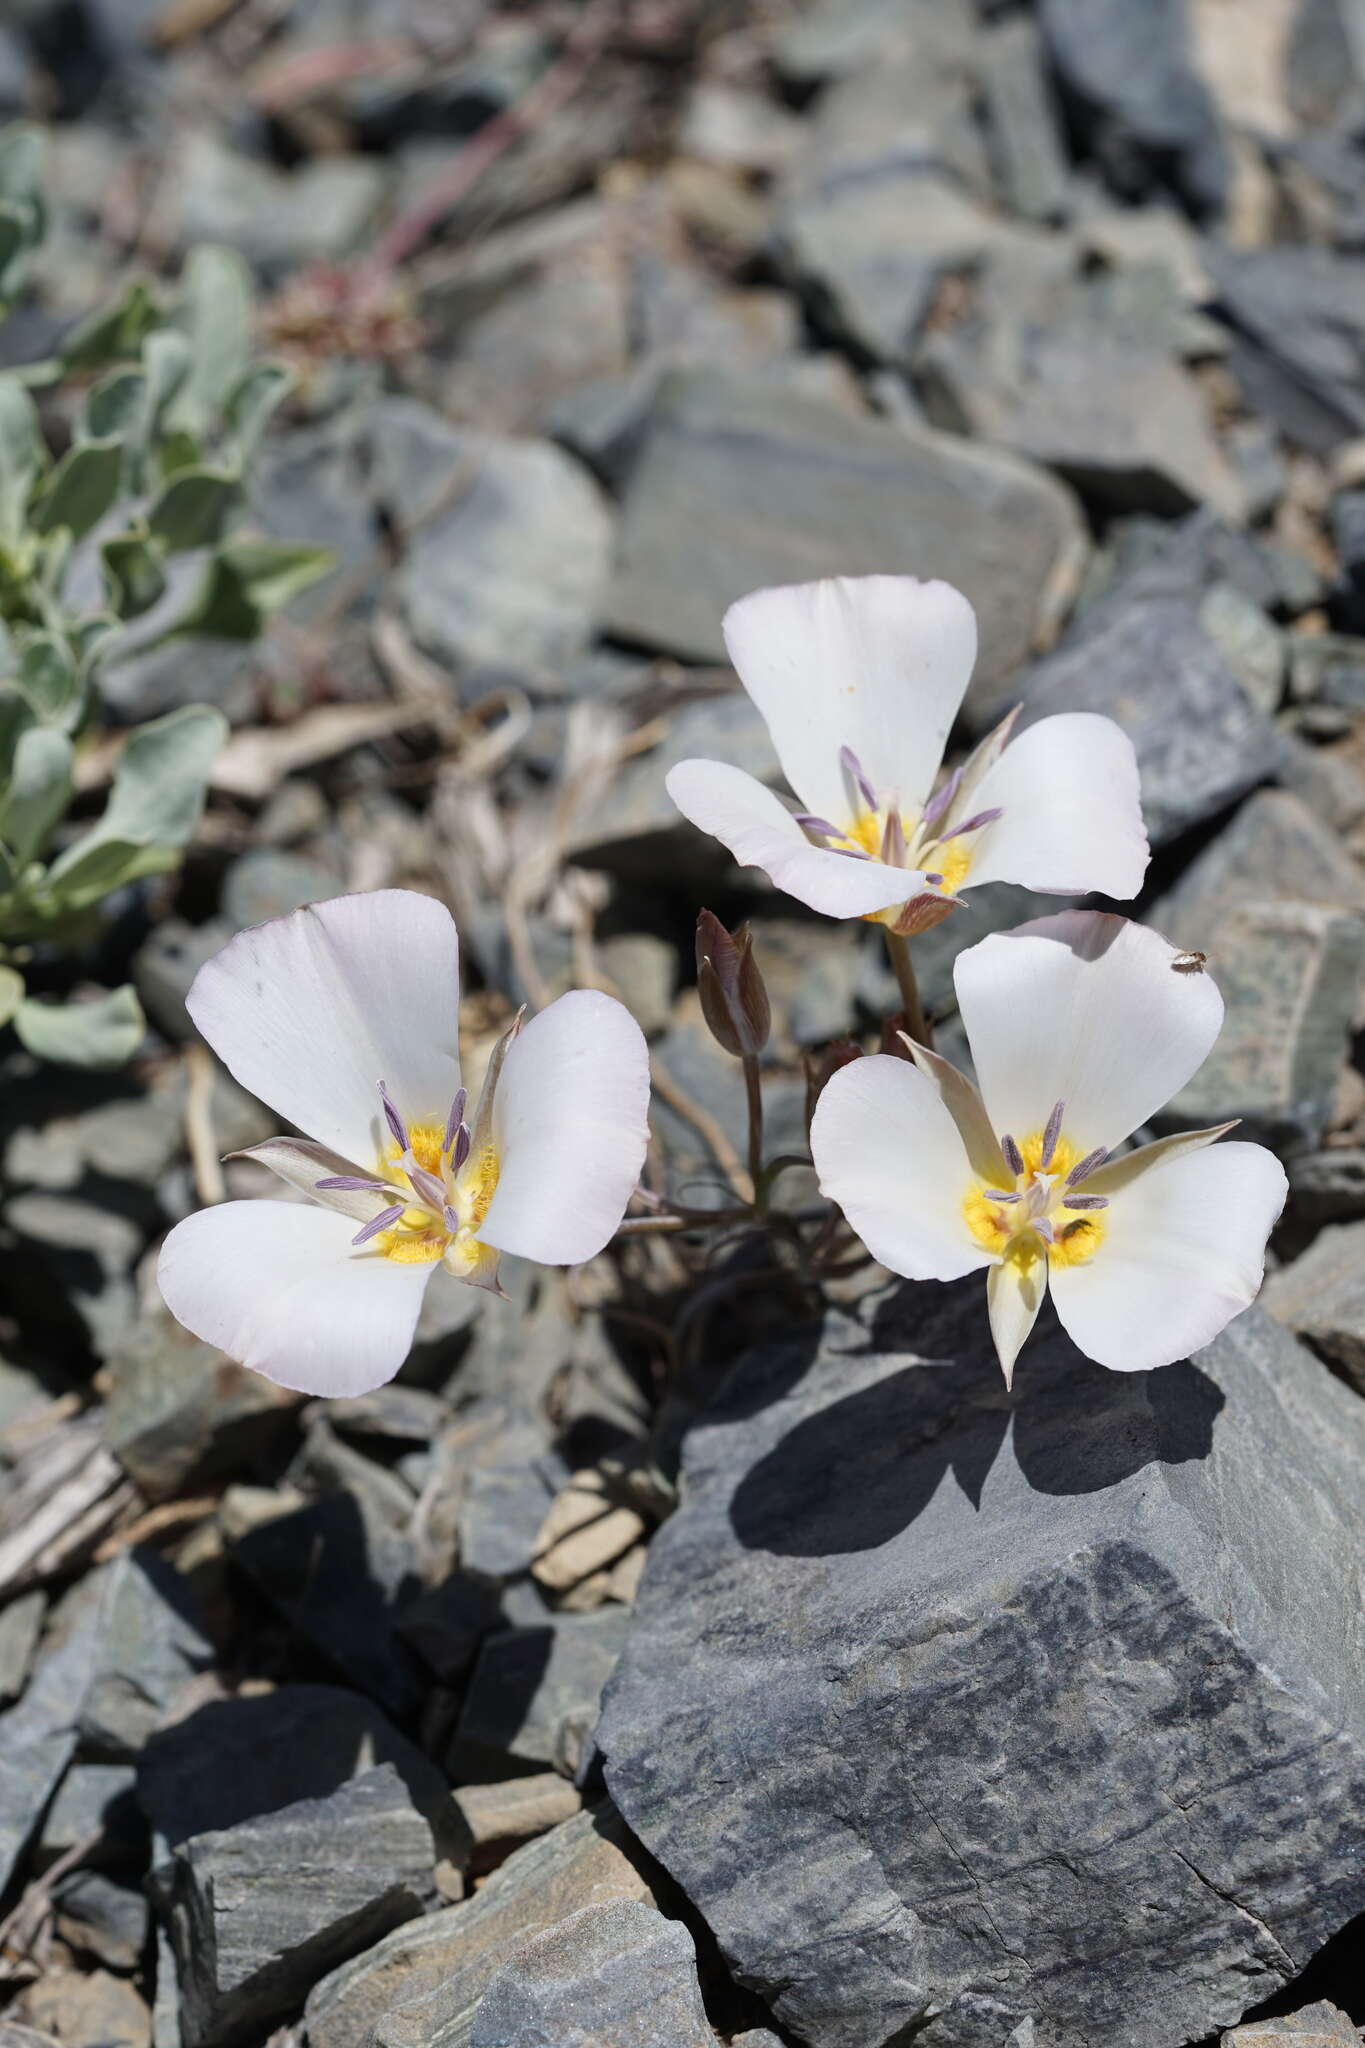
pixel 761 833
pixel 888 1152
pixel 1087 1009
pixel 570 1130
pixel 1014 1295
pixel 875 663
pixel 277 1286
pixel 1071 818
pixel 303 1164
pixel 1182 1254
pixel 311 1011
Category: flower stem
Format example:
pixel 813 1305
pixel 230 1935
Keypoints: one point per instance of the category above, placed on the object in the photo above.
pixel 754 1091
pixel 898 947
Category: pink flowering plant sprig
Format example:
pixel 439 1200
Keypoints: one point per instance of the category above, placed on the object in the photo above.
pixel 1081 1026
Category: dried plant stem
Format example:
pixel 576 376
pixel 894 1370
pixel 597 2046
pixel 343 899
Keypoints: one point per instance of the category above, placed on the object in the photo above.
pixel 898 947
pixel 753 1089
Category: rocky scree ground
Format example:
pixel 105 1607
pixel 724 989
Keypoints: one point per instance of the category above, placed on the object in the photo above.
pixel 940 1712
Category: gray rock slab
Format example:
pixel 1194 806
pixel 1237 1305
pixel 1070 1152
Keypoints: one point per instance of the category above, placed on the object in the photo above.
pixel 1142 110
pixel 153 1646
pixel 1027 145
pixel 273 1749
pixel 1321 1298
pixel 617 1972
pixel 738 485
pixel 102 1918
pixel 259 1911
pixel 951 1710
pixel 535 1691
pixel 1328 1186
pixel 508 541
pixel 641 833
pixel 1290 975
pixel 178 1414
pixel 21 1624
pixel 1298 338
pixel 38 1736
pixel 1143 657
pixel 94 1800
pixel 337 1570
pixel 423 1982
pixel 1275 850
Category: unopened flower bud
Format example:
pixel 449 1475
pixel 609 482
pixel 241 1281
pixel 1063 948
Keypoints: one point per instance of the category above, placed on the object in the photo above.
pixel 734 1001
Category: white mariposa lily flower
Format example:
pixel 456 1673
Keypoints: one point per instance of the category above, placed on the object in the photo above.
pixel 1081 1027
pixel 342 1017
pixel 859 680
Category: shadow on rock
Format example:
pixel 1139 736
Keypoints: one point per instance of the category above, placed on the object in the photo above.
pixel 858 1471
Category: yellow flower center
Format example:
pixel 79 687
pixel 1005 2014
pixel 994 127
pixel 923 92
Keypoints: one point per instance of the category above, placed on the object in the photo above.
pixel 422 1234
pixel 1046 1217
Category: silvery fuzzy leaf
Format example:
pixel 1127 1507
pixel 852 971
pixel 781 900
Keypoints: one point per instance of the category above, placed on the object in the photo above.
pixel 102 1033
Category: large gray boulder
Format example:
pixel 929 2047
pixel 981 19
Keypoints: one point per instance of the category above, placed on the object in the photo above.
pixel 618 1972
pixel 953 1710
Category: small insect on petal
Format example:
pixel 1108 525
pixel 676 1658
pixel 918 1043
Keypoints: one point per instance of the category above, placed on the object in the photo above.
pixel 385 1220
pixel 393 1119
pixel 455 1119
pixel 851 765
pixel 1190 963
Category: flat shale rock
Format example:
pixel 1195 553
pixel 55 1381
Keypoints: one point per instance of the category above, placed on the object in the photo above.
pixel 1312 2026
pixel 420 1986
pixel 259 1911
pixel 738 485
pixel 1321 1298
pixel 1143 656
pixel 618 1973
pixel 179 1414
pixel 509 548
pixel 954 1711
pixel 1298 322
pixel 535 1691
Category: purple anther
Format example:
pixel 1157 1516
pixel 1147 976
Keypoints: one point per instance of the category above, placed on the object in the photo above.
pixel 893 840
pixel 1052 1133
pixel 351 1183
pixel 820 826
pixel 1014 1158
pixel 1087 1201
pixel 463 1140
pixel 1002 1194
pixel 939 802
pixel 936 880
pixel 850 852
pixel 393 1119
pixel 1083 1168
pixel 975 824
pixel 425 1185
pixel 385 1220
pixel 455 1119
pixel 452 1218
pixel 851 765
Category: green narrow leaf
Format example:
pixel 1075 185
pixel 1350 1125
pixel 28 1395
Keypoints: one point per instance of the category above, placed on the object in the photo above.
pixel 48 676
pixel 113 334
pixel 103 1033
pixel 16 716
pixel 114 407
pixel 81 489
pixel 39 790
pixel 245 582
pixel 213 312
pixel 155 803
pixel 11 992
pixel 21 457
pixel 251 405
pixel 192 509
pixel 133 574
